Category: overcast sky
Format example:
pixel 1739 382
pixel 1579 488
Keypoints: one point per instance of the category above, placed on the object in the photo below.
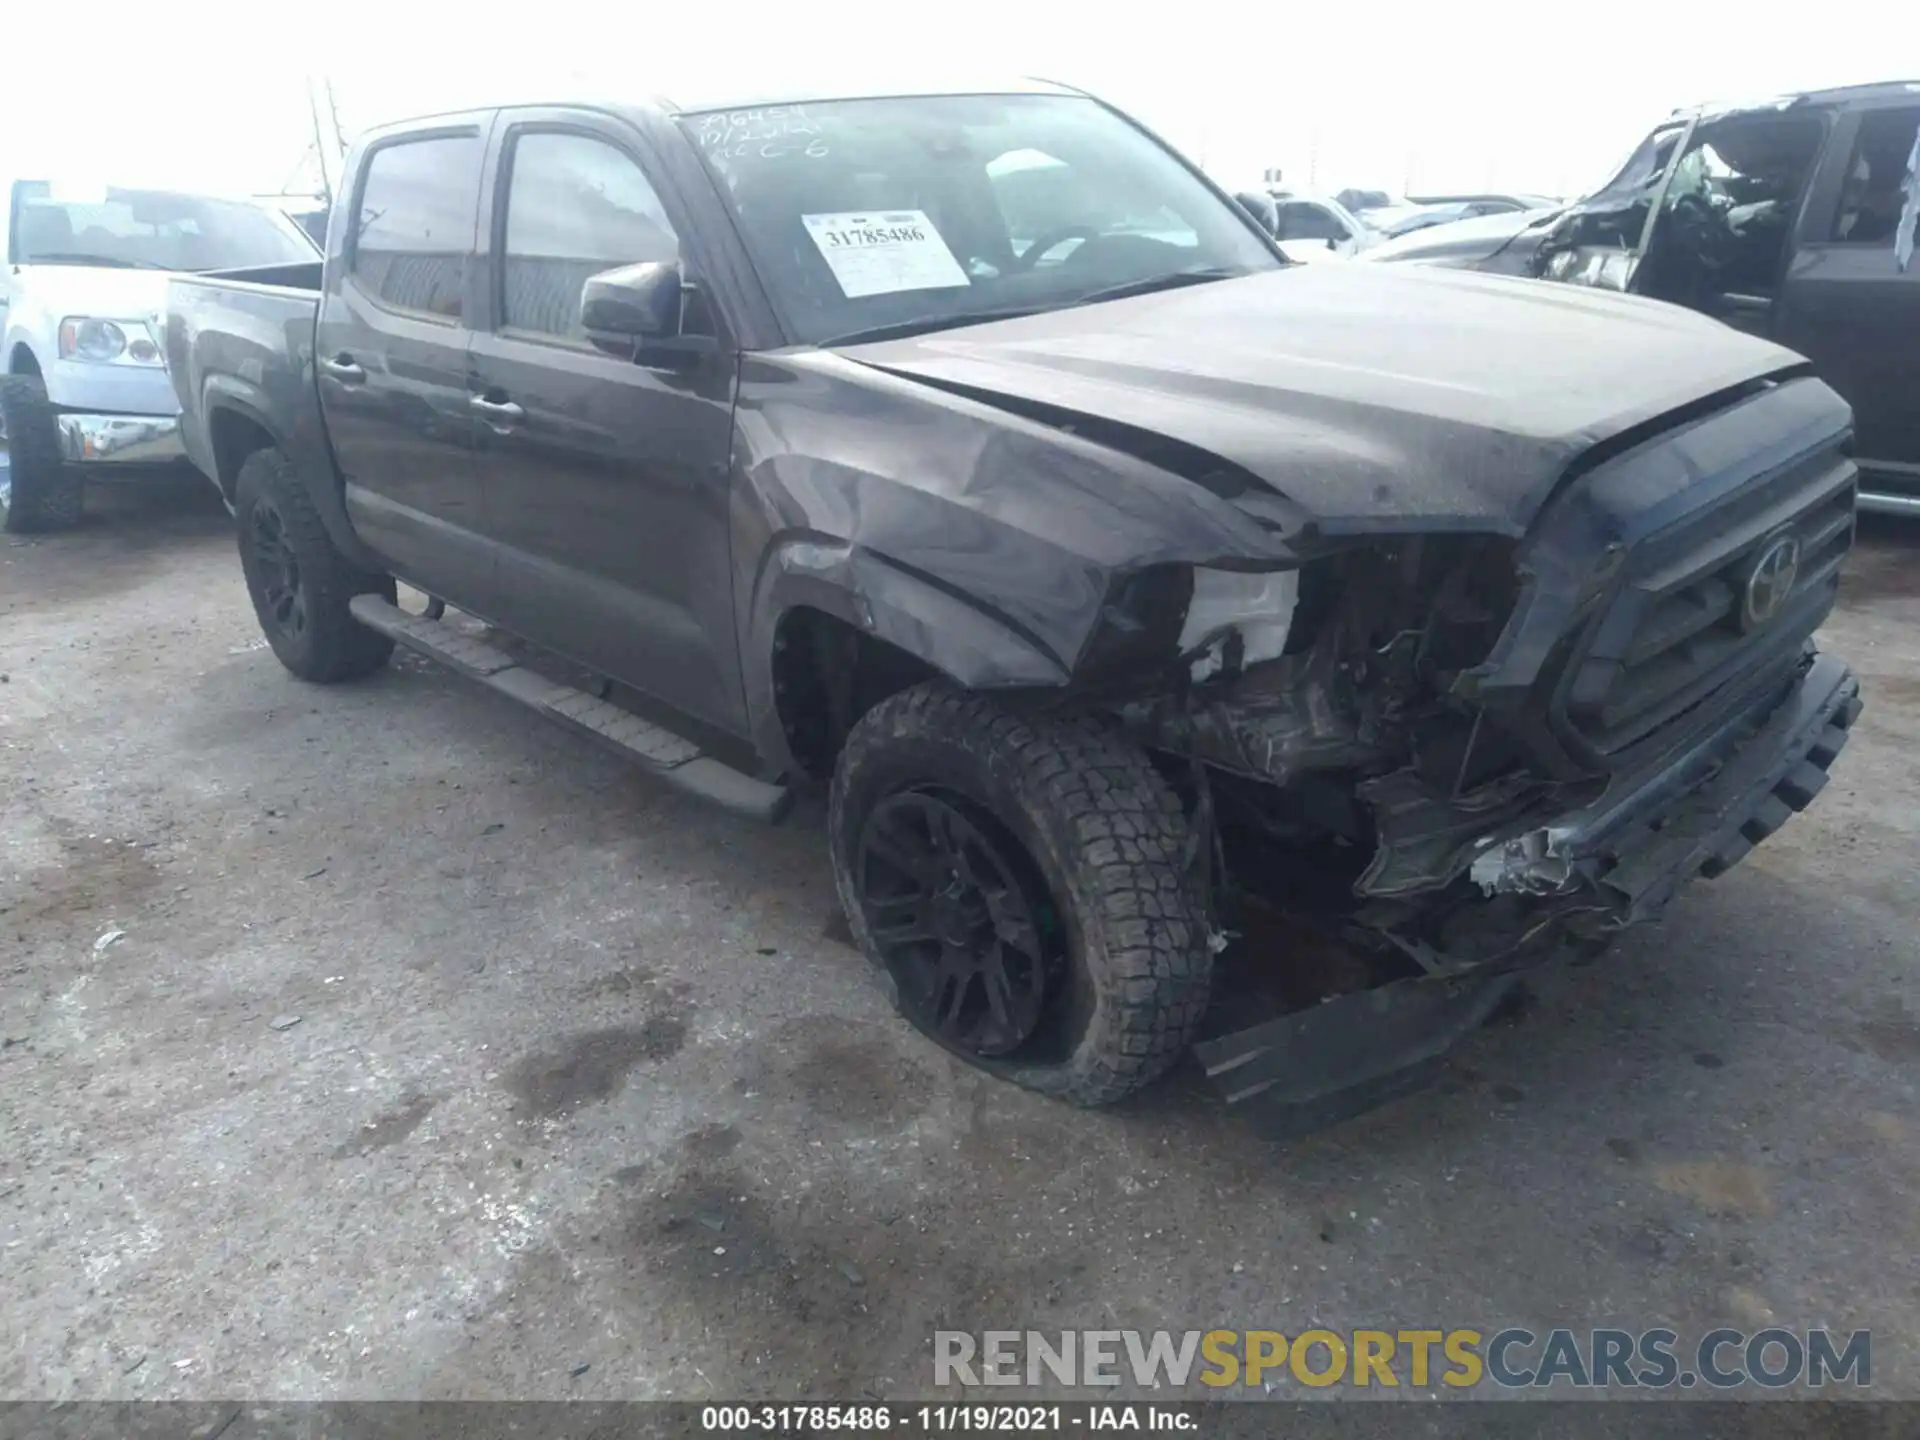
pixel 1334 92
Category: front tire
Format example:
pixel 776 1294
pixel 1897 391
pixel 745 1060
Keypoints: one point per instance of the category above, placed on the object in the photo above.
pixel 39 491
pixel 299 581
pixel 1021 884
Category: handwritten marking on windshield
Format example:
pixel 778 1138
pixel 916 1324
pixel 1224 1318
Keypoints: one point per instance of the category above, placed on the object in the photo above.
pixel 771 132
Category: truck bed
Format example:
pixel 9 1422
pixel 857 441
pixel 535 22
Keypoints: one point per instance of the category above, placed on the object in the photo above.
pixel 244 339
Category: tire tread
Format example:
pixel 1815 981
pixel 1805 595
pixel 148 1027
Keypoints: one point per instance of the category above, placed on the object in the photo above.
pixel 48 494
pixel 338 647
pixel 1118 839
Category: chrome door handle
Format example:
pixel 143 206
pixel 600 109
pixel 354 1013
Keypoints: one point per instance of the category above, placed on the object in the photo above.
pixel 344 370
pixel 498 411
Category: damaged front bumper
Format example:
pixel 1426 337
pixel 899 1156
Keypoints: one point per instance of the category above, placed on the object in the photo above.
pixel 1695 810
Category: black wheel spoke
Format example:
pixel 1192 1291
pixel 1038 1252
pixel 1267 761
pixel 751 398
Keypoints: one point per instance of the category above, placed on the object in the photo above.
pixel 282 593
pixel 267 543
pixel 896 905
pixel 1015 930
pixel 953 986
pixel 940 823
pixel 950 838
pixel 902 851
pixel 947 916
pixel 899 920
pixel 1000 998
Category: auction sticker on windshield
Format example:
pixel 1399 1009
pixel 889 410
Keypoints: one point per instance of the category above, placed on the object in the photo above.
pixel 880 252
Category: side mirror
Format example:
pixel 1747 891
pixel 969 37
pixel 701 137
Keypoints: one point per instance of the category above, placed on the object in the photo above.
pixel 634 304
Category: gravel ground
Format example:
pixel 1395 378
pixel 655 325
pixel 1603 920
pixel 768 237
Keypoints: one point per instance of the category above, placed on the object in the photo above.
pixel 440 1055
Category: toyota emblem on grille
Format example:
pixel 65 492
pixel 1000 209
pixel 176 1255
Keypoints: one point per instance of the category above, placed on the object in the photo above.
pixel 1770 582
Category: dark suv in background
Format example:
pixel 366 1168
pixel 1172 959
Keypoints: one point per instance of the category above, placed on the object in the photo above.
pixel 1795 219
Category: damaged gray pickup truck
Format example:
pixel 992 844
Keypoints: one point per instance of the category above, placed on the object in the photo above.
pixel 974 456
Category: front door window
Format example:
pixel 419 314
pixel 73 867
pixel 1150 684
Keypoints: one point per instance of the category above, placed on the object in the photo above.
pixel 1728 210
pixel 576 207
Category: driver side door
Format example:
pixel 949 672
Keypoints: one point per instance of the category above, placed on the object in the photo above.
pixel 608 473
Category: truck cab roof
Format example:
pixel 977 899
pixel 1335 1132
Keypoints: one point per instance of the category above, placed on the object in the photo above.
pixel 705 103
pixel 1882 92
pixel 698 104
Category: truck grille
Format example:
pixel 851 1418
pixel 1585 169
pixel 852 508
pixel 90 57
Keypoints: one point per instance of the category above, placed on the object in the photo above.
pixel 1693 619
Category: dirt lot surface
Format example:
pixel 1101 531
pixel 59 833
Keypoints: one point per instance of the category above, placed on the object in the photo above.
pixel 440 1055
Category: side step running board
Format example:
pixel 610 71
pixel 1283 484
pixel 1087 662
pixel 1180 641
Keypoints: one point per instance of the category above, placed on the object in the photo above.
pixel 675 759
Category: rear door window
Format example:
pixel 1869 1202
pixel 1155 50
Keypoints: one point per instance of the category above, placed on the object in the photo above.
pixel 1880 194
pixel 414 227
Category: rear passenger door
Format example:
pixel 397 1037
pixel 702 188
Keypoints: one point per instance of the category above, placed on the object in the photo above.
pixel 392 357
pixel 1851 304
pixel 608 473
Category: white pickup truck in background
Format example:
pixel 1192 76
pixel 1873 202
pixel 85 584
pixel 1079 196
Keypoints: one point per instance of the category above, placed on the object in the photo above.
pixel 84 393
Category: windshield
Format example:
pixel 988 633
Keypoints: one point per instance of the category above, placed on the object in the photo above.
pixel 1635 179
pixel 902 214
pixel 1614 217
pixel 149 230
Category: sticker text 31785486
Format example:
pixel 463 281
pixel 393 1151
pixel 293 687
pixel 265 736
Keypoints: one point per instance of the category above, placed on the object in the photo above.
pixel 880 252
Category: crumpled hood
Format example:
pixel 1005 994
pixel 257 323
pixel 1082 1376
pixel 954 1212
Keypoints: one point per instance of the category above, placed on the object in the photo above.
pixel 104 292
pixel 1373 397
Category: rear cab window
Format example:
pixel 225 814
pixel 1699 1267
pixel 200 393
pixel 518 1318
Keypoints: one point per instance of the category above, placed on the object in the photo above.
pixel 414 223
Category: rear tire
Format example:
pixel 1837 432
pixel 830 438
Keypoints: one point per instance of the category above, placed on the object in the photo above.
pixel 1054 852
pixel 299 581
pixel 41 491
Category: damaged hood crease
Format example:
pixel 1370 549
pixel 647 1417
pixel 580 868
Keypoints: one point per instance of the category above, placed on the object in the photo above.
pixel 1370 398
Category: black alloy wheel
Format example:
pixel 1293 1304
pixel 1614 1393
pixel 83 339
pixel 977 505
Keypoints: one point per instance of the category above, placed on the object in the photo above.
pixel 283 595
pixel 961 920
pixel 301 586
pixel 1020 884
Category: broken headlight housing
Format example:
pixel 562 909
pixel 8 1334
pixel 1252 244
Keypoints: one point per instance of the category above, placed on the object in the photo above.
pixel 1601 267
pixel 1237 618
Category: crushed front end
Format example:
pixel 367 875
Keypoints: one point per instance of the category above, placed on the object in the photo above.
pixel 1495 750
